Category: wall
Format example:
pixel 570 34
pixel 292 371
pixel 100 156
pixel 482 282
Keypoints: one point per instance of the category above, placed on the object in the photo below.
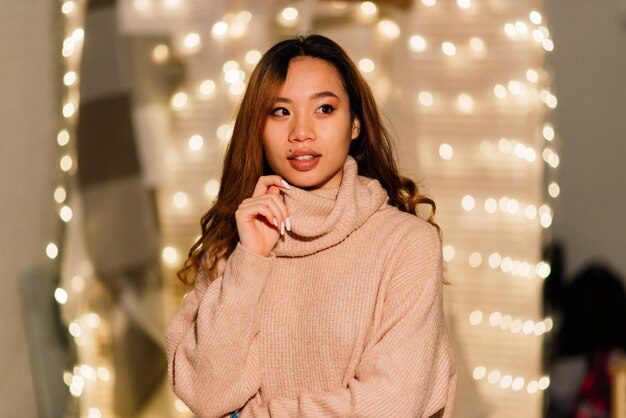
pixel 589 61
pixel 27 158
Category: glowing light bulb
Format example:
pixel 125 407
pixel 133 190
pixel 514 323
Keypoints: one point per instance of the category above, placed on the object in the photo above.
pixel 69 109
pixel 169 255
pixel 366 65
pixel 465 103
pixel 207 88
pixel 66 163
pixel 192 41
pixel 244 17
pixel 60 295
pixel 515 87
pixel 66 213
pixel 224 132
pixel 445 151
pixel 530 212
pixel 60 194
pixel 475 259
pixel 69 78
pixel 179 100
pixel 548 44
pixel 142 5
pixel 253 56
pixel 195 143
pixel 68 7
pixel 532 76
pixel 425 98
pixel 505 381
pixel 543 269
pixel 78 35
pixel 417 43
pixel 494 376
pixel 554 190
pixel 448 253
pixel 389 28
pixel 219 29
pixel 463 4
pixel 429 3
pixel 495 318
pixel 518 383
pixel 104 374
pixel 532 387
pixel 212 188
pixel 494 260
pixel 63 138
pixel 180 200
pixel 448 48
pixel 479 373
pixel 491 205
pixel 510 30
pixel 476 317
pixel 237 88
pixel 500 91
pixel 535 17
pixel 548 132
pixel 468 203
pixel 477 44
pixel 288 16
pixel 94 413
pixel 368 8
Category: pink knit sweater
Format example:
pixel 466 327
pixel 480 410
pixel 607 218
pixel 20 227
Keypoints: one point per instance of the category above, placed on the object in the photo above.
pixel 343 319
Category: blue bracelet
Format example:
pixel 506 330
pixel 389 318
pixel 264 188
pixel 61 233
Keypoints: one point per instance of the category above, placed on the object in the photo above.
pixel 235 414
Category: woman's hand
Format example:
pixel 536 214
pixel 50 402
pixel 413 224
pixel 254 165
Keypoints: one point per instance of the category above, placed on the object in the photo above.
pixel 262 218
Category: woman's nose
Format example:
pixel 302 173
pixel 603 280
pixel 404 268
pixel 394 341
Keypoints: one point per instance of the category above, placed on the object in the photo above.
pixel 302 129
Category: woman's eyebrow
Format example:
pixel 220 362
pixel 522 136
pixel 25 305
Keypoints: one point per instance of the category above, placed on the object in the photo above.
pixel 311 97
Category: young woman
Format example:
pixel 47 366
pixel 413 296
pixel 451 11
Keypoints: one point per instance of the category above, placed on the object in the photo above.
pixel 318 291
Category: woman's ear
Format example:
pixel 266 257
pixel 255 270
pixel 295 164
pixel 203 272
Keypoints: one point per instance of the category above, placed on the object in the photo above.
pixel 356 128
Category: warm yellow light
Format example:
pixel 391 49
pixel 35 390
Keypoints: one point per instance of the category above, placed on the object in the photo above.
pixel 195 143
pixel 224 132
pixel 63 137
pixel 554 190
pixel 510 30
pixel 389 28
pixel 463 4
pixel 477 44
pixel 548 45
pixel 530 212
pixel 521 27
pixel 425 98
pixel 494 260
pixel 60 295
pixel 479 373
pixel 494 376
pixel 468 203
pixel 543 269
pixel 515 87
pixel 69 109
pixel 491 205
pixel 476 317
pixel 288 16
pixel 219 28
pixel 77 283
pixel 505 381
pixel 104 374
pixel 475 259
pixel 445 151
pixel 429 3
pixel 417 43
pixel 538 35
pixel 78 35
pixel 448 48
pixel 180 200
pixel 69 78
pixel 535 17
pixel 66 163
pixel 68 7
pixel 160 53
pixel 237 88
pixel 234 76
pixel 230 65
pixel 142 5
pixel 500 91
pixel 192 41
pixel 548 132
pixel 169 255
pixel 244 17
pixel 172 4
pixel 532 76
pixel 179 100
pixel 66 213
pixel 75 330
pixel 212 188
pixel 448 253
pixel 253 56
pixel 544 382
pixel 366 65
pixel 207 88
pixel 368 8
pixel 495 319
pixel 465 102
pixel 60 194
pixel 94 413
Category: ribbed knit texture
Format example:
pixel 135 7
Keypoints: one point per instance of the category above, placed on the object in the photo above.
pixel 343 319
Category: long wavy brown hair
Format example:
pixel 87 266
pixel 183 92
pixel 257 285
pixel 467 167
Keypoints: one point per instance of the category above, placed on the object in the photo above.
pixel 245 162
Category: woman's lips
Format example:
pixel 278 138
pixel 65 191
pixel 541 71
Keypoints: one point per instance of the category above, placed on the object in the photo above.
pixel 304 165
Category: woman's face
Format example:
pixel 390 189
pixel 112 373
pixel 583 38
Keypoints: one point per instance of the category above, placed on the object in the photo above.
pixel 308 132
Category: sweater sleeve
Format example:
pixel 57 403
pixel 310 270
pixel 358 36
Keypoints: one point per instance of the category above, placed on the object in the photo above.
pixel 212 347
pixel 408 369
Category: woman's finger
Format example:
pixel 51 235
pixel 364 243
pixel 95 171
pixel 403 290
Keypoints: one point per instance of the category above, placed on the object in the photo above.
pixel 265 182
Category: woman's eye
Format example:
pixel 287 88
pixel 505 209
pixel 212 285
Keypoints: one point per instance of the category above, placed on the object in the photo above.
pixel 326 109
pixel 280 111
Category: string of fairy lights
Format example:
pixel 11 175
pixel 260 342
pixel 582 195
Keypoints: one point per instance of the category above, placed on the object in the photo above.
pixel 527 89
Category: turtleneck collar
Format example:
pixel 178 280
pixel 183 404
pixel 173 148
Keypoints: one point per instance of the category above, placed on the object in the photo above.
pixel 324 217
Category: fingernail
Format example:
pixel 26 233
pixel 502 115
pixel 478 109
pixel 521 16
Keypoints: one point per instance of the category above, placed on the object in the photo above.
pixel 285 184
pixel 282 228
pixel 288 224
pixel 275 223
